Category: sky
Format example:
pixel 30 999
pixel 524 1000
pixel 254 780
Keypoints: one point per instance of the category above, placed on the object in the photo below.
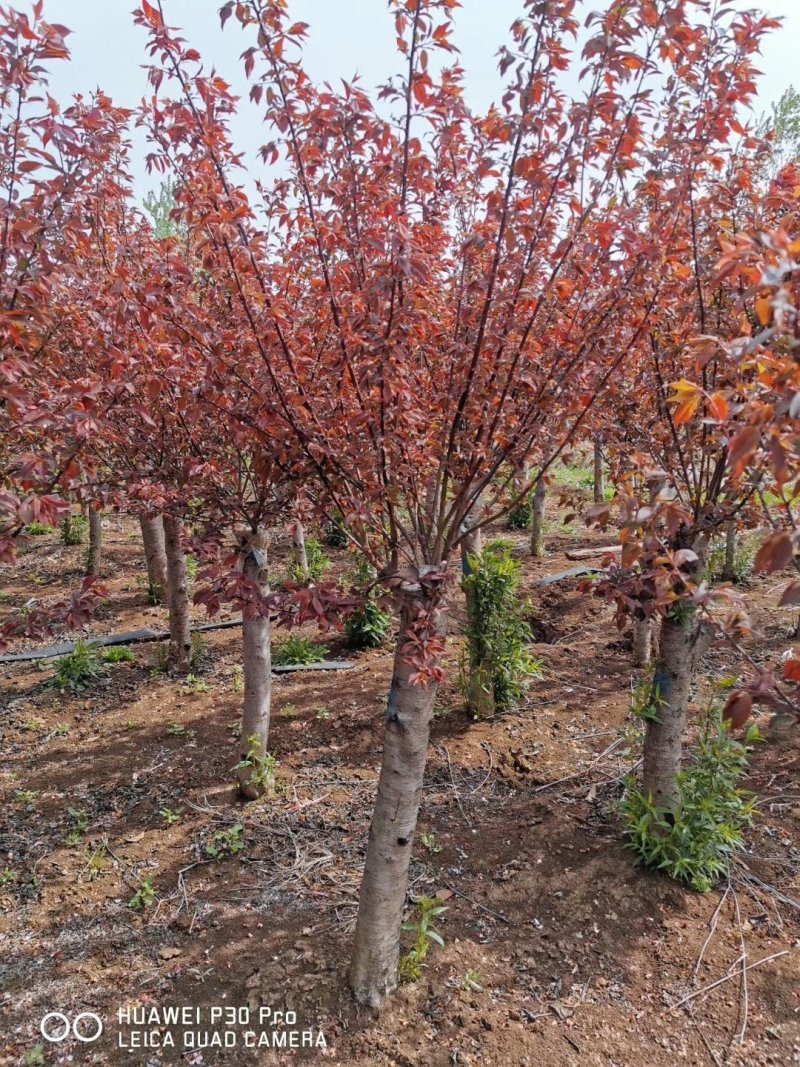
pixel 346 36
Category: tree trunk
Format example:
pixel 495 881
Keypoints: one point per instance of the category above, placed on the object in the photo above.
pixel 257 664
pixel 95 552
pixel 537 523
pixel 480 695
pixel 729 569
pixel 642 641
pixel 599 475
pixel 155 556
pixel 376 951
pixel 180 634
pixel 299 545
pixel 682 645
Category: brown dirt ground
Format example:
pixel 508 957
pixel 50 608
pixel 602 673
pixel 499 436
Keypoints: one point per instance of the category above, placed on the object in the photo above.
pixel 559 950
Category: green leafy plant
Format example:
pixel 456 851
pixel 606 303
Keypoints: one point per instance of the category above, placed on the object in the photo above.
pixel 34 1057
pixel 318 564
pixel 498 638
pixel 226 842
pixel 237 678
pixel 298 650
pixel 191 568
pixel 177 729
pixel 25 796
pixel 79 668
pixel 695 843
pixel 193 684
pixel 38 529
pixel 7 875
pixel 369 625
pixel 336 532
pixel 411 963
pixel 73 529
pixel 144 896
pixel 118 654
pixel 471 982
pixel 198 652
pixel 79 821
pixel 430 843
pixel 261 765
pixel 171 815
pixel 323 714
pixel 646 700
pixel 521 515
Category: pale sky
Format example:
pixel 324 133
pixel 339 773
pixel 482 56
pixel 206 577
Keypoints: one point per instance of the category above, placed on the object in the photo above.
pixel 345 36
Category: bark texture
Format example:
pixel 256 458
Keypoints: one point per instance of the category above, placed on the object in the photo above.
pixel 599 475
pixel 95 552
pixel 642 641
pixel 537 523
pixel 682 646
pixel 180 634
pixel 376 952
pixel 155 556
pixel 299 546
pixel 257 666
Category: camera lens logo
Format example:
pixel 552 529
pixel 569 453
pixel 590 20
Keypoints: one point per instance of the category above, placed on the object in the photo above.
pixel 56 1027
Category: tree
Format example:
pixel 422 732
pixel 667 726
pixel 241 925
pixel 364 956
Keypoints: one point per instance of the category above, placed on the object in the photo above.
pixel 433 290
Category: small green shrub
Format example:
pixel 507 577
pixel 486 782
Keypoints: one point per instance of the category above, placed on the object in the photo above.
pixel 171 815
pixel 79 668
pixel 521 515
pixel 298 650
pixel 318 564
pixel 335 532
pixel 497 634
pixel 261 765
pixel 411 964
pixel 144 896
pixel 73 529
pixel 226 842
pixel 369 625
pixel 38 529
pixel 695 843
pixel 118 654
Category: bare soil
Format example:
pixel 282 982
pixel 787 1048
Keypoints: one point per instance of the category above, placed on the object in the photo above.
pixel 559 950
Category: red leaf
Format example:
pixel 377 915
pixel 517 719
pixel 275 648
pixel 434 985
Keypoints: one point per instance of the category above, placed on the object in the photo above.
pixel 776 553
pixel 738 708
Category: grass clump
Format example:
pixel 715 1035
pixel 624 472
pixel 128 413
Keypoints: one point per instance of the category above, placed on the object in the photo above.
pixel 318 564
pixel 298 651
pixel 79 669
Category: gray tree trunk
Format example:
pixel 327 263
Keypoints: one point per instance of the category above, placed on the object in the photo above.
pixel 537 523
pixel 376 951
pixel 95 552
pixel 155 557
pixel 682 645
pixel 599 475
pixel 180 634
pixel 642 641
pixel 299 545
pixel 257 665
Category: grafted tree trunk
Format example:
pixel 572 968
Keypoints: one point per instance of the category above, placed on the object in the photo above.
pixel 682 645
pixel 95 552
pixel 599 475
pixel 257 665
pixel 537 522
pixel 642 641
pixel 155 556
pixel 299 545
pixel 480 695
pixel 180 634
pixel 729 569
pixel 376 951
